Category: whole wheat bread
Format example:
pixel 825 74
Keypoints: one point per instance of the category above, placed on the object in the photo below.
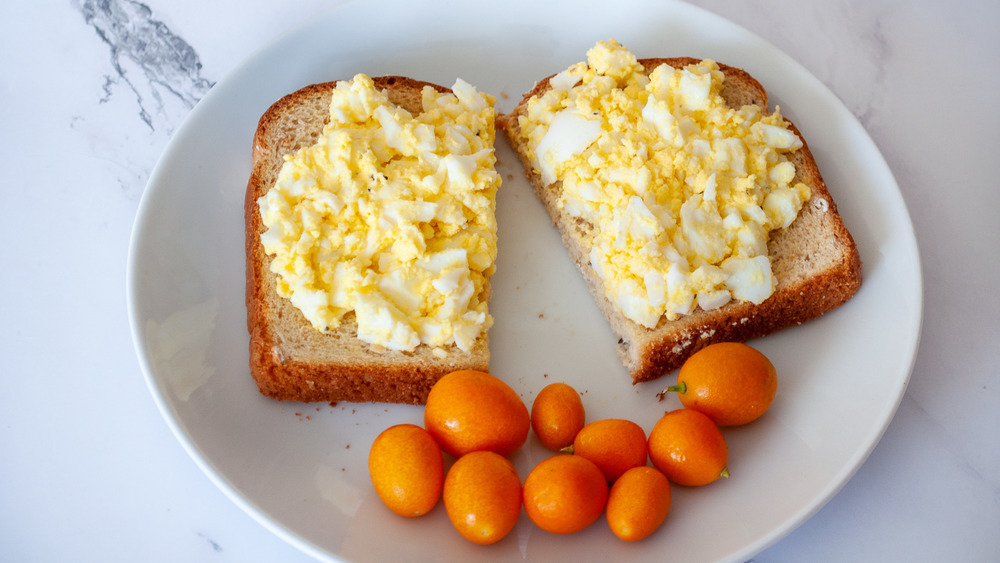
pixel 289 359
pixel 814 259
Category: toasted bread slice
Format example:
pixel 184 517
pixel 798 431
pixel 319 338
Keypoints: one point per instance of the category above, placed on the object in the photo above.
pixel 289 359
pixel 814 259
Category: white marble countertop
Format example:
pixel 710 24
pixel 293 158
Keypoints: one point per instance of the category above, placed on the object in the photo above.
pixel 90 93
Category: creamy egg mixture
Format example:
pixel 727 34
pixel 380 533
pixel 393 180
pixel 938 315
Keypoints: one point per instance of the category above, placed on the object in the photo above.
pixel 391 216
pixel 679 190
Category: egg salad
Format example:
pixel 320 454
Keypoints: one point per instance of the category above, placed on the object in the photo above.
pixel 391 216
pixel 677 191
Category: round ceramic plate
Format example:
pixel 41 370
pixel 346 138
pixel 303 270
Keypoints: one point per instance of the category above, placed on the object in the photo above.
pixel 301 469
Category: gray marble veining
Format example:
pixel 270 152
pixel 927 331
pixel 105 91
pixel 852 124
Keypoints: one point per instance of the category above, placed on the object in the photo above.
pixel 140 44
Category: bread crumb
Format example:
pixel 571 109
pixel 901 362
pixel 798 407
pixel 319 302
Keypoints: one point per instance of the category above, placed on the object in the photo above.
pixel 541 315
pixel 278 355
pixel 545 375
pixel 503 94
pixel 678 348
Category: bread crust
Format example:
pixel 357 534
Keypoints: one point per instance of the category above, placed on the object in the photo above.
pixel 815 259
pixel 289 359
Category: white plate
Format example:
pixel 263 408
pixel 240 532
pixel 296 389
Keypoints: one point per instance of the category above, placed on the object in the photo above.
pixel 301 469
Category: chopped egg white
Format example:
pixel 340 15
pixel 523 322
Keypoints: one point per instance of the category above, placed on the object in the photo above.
pixel 569 134
pixel 678 190
pixel 390 216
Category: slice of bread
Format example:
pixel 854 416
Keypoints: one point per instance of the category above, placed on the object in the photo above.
pixel 289 359
pixel 814 259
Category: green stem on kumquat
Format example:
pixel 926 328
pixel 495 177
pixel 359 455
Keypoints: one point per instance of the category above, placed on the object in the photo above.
pixel 681 387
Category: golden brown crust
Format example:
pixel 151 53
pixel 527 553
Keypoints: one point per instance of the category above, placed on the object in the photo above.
pixel 289 359
pixel 815 259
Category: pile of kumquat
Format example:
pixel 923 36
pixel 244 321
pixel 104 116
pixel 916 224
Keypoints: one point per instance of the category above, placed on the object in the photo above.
pixel 596 468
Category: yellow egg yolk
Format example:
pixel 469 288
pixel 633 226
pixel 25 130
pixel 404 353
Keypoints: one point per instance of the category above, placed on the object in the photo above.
pixel 390 216
pixel 677 190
